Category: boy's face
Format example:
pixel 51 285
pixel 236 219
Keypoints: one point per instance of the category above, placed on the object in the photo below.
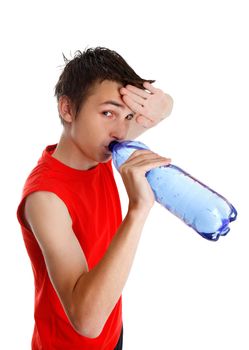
pixel 103 118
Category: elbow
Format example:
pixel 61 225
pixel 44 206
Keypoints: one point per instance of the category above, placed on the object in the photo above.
pixel 86 322
pixel 88 328
pixel 87 316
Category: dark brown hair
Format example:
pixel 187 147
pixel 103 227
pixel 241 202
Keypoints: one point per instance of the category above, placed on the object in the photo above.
pixel 89 67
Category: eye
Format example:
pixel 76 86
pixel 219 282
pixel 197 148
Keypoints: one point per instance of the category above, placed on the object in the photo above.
pixel 107 113
pixel 130 116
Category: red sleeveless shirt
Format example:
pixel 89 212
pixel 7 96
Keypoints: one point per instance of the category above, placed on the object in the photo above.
pixel 92 199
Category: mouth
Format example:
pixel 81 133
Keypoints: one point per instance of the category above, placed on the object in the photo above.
pixel 111 145
pixel 107 150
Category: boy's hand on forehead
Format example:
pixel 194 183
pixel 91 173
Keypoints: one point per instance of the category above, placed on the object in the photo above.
pixel 151 105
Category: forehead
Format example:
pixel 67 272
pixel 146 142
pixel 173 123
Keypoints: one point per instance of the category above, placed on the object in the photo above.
pixel 106 90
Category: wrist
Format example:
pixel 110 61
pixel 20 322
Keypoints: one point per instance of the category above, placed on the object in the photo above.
pixel 138 212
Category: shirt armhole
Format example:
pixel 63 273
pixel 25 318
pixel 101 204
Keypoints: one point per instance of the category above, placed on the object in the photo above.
pixel 58 193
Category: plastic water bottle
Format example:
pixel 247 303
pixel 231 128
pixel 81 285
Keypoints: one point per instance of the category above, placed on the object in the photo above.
pixel 201 208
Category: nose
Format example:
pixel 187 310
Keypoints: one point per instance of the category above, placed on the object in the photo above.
pixel 120 130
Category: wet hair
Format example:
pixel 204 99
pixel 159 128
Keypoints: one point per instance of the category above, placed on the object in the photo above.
pixel 89 67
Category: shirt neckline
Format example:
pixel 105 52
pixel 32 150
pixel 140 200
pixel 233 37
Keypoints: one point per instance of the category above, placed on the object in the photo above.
pixel 59 166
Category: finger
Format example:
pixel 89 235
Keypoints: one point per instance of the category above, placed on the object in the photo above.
pixel 155 160
pixel 146 164
pixel 140 92
pixel 140 152
pixel 150 87
pixel 134 106
pixel 155 164
pixel 138 99
pixel 140 156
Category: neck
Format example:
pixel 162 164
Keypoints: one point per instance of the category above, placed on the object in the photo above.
pixel 68 153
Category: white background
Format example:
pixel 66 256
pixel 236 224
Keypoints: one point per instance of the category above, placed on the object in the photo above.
pixel 184 292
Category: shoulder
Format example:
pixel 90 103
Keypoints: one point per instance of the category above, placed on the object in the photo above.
pixel 43 198
pixel 44 212
pixel 44 201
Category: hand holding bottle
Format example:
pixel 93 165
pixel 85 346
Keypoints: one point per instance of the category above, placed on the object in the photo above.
pixel 133 172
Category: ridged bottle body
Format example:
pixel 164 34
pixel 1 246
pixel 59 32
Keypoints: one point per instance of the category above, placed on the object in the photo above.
pixel 200 207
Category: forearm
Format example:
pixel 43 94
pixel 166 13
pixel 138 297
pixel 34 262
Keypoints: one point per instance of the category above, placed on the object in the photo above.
pixel 97 292
pixel 135 130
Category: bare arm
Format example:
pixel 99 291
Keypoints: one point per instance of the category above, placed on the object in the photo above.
pixel 88 297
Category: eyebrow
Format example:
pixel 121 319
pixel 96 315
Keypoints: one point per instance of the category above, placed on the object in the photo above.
pixel 111 102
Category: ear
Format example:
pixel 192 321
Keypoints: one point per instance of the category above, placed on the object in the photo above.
pixel 65 109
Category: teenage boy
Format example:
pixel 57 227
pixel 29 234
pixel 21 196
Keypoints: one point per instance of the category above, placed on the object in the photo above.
pixel 80 249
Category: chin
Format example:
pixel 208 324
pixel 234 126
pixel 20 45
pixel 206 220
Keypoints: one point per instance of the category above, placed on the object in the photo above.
pixel 106 158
